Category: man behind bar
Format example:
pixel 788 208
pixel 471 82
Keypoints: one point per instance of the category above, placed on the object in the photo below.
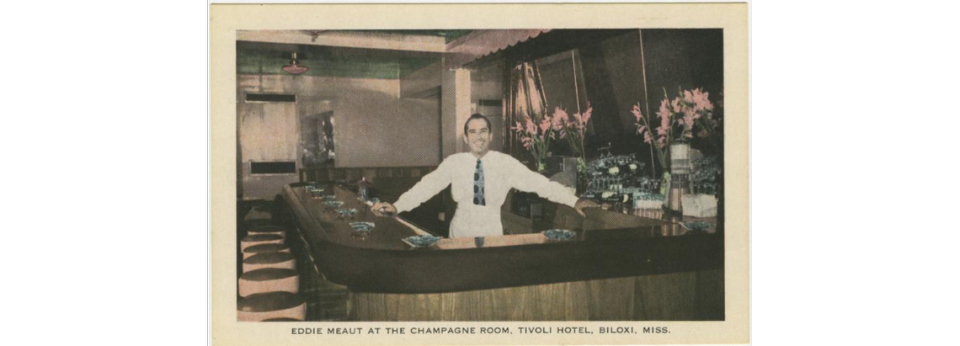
pixel 481 180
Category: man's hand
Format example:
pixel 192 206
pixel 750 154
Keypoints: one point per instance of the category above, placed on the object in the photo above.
pixel 583 204
pixel 384 209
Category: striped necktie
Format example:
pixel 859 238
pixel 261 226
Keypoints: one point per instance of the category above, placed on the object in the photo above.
pixel 478 185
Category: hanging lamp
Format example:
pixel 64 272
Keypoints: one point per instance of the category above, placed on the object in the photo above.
pixel 293 68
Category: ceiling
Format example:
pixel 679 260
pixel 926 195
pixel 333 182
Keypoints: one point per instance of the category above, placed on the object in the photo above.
pixel 331 61
pixel 448 35
pixel 387 54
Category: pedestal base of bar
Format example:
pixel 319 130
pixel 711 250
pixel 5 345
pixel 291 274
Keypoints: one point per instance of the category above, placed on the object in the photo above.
pixel 268 280
pixel 265 306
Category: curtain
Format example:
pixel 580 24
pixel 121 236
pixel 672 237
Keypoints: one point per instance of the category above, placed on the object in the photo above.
pixel 526 98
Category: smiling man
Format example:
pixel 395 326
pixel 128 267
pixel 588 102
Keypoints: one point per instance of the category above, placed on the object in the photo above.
pixel 481 180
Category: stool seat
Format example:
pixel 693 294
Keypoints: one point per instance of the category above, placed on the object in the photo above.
pixel 257 239
pixel 268 280
pixel 278 260
pixel 273 305
pixel 269 229
pixel 264 248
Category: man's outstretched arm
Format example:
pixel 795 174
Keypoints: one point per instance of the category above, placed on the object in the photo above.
pixel 426 188
pixel 524 179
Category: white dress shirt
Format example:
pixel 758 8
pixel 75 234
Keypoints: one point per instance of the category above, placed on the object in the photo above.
pixel 501 172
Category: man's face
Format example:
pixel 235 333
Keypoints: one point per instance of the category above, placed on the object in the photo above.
pixel 478 136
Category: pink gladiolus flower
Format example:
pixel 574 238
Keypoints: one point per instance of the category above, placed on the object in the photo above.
pixel 647 138
pixel 676 105
pixel 641 129
pixel 636 113
pixel 586 117
pixel 664 109
pixel 688 115
pixel 687 96
pixel 560 117
pixel 702 100
pixel 665 122
pixel 531 128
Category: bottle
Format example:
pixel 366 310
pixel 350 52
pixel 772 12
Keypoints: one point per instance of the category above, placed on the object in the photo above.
pixel 362 186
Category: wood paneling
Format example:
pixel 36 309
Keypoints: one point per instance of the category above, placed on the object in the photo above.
pixel 679 296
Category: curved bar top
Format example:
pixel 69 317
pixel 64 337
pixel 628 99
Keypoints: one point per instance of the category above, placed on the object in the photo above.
pixel 382 262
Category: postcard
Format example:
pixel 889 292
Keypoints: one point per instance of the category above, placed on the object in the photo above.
pixel 427 174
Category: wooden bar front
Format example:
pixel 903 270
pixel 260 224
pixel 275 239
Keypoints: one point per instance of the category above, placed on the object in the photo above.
pixel 618 267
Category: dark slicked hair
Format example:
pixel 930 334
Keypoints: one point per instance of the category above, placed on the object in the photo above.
pixel 476 116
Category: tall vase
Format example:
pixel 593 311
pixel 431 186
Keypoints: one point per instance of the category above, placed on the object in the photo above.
pixel 680 168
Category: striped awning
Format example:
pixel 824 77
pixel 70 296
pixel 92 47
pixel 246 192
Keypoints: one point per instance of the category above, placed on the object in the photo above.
pixel 480 43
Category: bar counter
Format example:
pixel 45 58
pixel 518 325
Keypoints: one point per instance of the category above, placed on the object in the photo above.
pixel 612 255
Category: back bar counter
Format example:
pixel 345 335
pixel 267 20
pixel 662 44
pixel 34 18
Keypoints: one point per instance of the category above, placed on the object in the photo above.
pixel 617 267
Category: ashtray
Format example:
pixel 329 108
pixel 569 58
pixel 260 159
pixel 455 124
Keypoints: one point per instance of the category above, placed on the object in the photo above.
pixel 333 204
pixel 343 212
pixel 559 234
pixel 362 227
pixel 696 226
pixel 421 240
pixel 314 191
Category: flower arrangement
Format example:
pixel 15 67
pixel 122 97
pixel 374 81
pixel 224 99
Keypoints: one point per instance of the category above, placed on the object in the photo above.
pixel 689 113
pixel 537 136
pixel 574 130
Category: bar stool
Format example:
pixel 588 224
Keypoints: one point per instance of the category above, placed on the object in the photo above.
pixel 273 305
pixel 269 229
pixel 264 248
pixel 269 280
pixel 258 239
pixel 278 260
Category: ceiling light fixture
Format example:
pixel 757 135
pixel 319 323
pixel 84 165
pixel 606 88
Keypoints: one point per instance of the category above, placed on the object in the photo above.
pixel 293 68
